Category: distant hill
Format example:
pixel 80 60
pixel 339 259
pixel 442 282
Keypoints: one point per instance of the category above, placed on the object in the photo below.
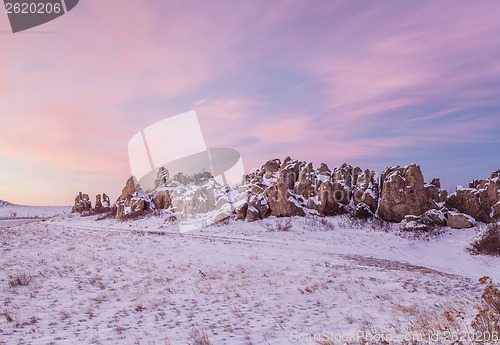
pixel 4 203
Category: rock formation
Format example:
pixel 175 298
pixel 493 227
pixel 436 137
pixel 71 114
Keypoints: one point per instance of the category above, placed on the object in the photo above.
pixel 479 200
pixel 403 193
pixel 82 203
pixel 295 188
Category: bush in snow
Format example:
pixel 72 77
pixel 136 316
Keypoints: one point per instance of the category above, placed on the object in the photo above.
pixel 488 243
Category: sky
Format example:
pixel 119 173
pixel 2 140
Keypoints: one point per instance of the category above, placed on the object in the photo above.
pixel 373 84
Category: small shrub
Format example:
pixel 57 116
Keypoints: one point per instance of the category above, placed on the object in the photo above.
pixel 318 223
pixel 488 243
pixel 284 224
pixel 20 280
pixel 379 224
pixel 348 221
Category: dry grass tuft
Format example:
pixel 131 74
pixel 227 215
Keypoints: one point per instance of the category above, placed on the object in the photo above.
pixel 487 320
pixel 20 280
pixel 198 337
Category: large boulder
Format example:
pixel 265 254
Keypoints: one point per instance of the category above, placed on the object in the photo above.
pixel 460 220
pixel 82 203
pixel 403 193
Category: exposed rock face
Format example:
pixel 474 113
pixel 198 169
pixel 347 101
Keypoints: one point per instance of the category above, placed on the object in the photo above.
pixel 162 200
pixel 366 189
pixel 460 220
pixel 403 193
pixel 342 183
pixel 82 203
pixel 129 189
pixel 471 201
pixel 496 211
pixel 280 195
pixel 270 167
pixel 306 183
pixel 328 204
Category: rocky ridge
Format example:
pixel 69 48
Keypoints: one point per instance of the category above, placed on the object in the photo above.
pixel 295 188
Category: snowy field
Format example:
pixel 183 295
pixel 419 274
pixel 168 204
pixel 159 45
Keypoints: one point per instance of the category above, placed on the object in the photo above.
pixel 8 210
pixel 77 280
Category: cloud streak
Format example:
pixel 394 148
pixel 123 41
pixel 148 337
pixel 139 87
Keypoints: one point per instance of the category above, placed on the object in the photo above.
pixel 369 83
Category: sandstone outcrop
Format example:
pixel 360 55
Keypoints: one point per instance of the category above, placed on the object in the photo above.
pixel 295 188
pixel 82 203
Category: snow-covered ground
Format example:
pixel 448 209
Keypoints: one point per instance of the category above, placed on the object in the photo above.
pixel 143 282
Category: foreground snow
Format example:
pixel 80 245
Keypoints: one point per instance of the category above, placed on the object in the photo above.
pixel 143 282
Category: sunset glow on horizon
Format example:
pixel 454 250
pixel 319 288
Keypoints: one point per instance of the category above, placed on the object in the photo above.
pixel 373 84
